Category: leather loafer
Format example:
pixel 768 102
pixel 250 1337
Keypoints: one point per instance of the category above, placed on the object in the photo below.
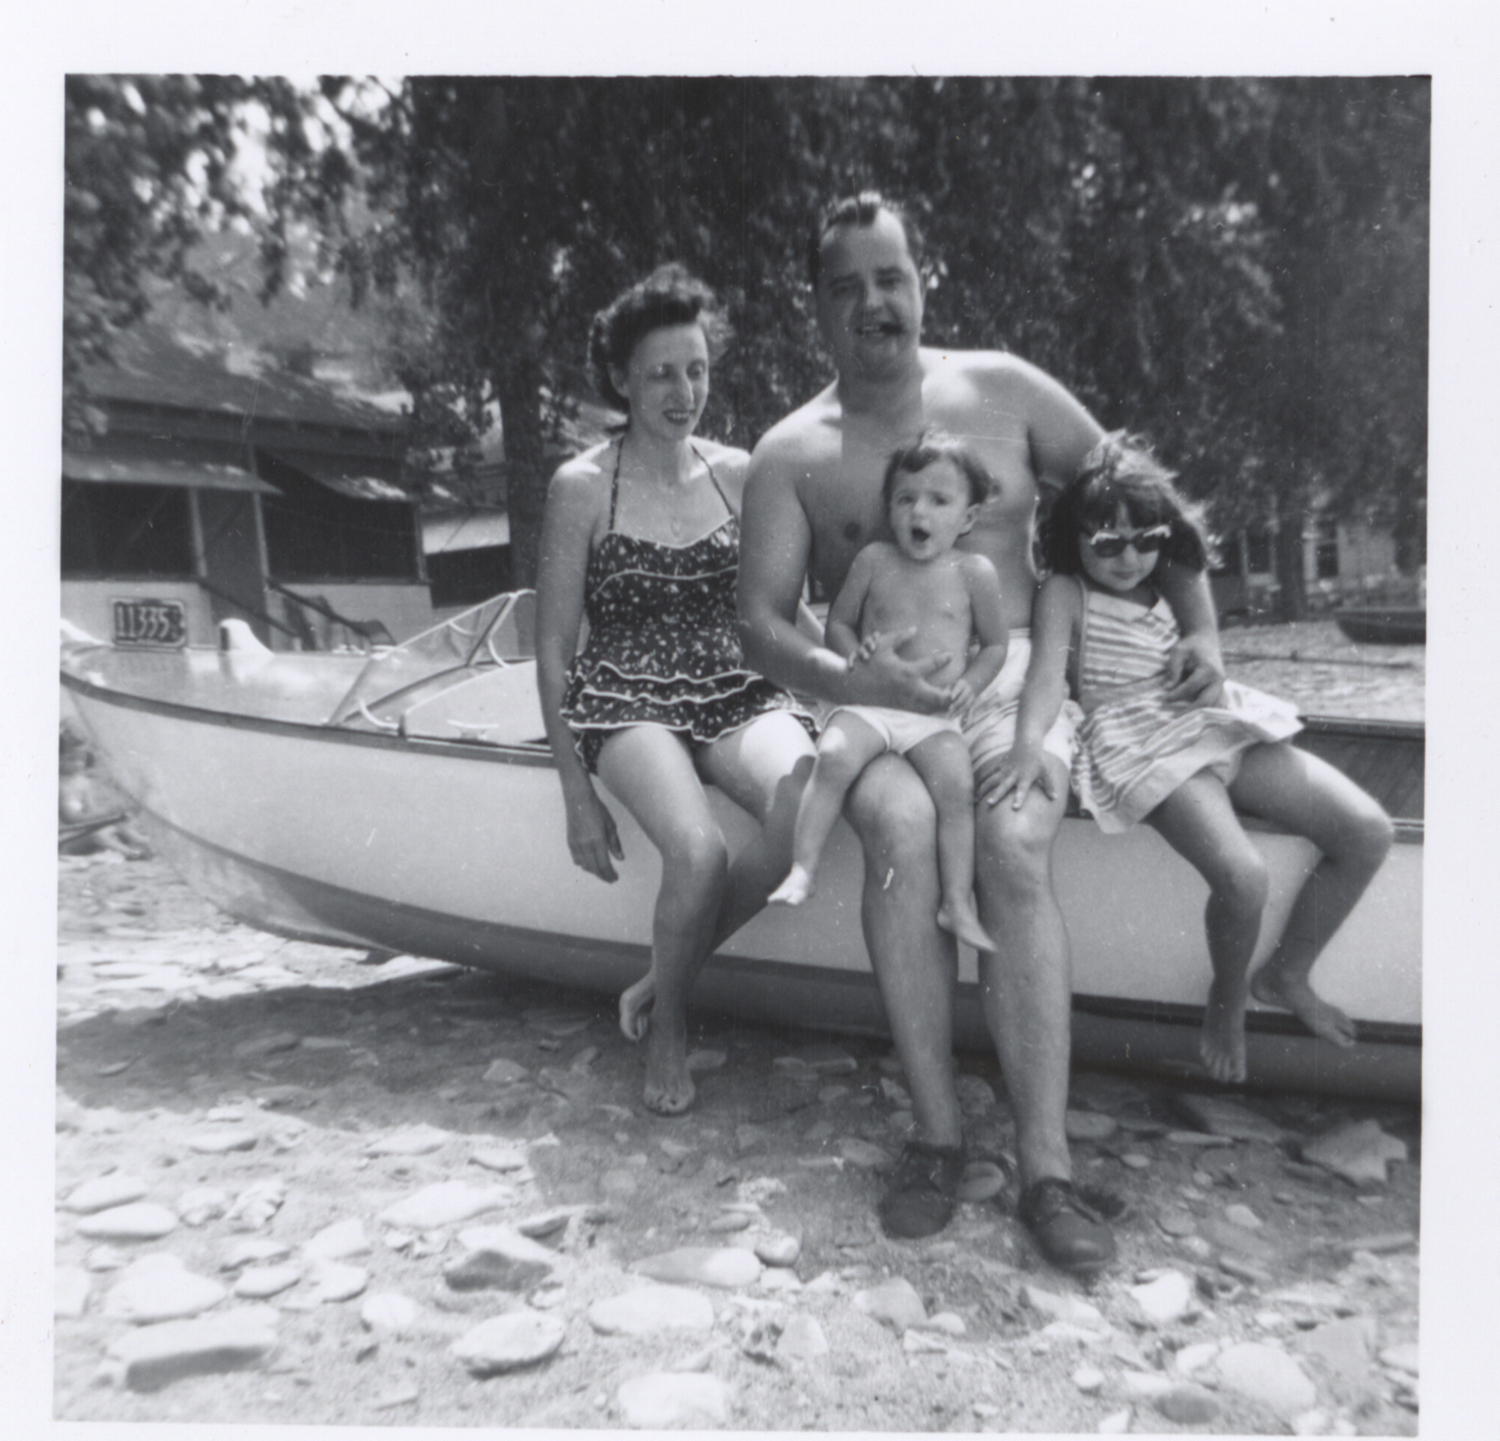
pixel 1071 1229
pixel 923 1192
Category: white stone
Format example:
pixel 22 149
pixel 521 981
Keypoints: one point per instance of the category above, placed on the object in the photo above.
pixel 1146 1384
pixel 1117 1423
pixel 1241 1215
pixel 259 1282
pixel 649 1309
pixel 1089 1126
pixel 118 1188
pixel 505 1343
pixel 1062 1308
pixel 140 1221
pixel 1088 1379
pixel 705 1060
pixel 445 1204
pixel 981 1181
pixel 153 1356
pixel 779 1249
pixel 726 1266
pixel 504 1072
pixel 221 1141
pixel 863 1154
pixel 390 1312
pixel 256 1204
pixel 802 1339
pixel 332 1281
pixel 1267 1375
pixel 499 1158
pixel 895 1301
pixel 337 1241
pixel 419 1140
pixel 70 1291
pixel 1195 1357
pixel 667 1398
pixel 1358 1152
pixel 1167 1299
pixel 160 1288
pixel 253 1250
pixel 202 1204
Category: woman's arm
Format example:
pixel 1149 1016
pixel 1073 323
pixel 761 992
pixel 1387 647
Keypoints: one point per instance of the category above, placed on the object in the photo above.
pixel 1054 624
pixel 573 514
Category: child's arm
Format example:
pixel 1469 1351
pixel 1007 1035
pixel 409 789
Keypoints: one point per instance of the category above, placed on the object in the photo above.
pixel 841 630
pixel 987 617
pixel 1197 664
pixel 1054 622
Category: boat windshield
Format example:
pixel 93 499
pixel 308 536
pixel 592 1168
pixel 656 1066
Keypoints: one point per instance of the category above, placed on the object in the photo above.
pixel 499 632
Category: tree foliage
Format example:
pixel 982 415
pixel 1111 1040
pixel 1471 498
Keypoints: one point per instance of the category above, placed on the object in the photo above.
pixel 1237 267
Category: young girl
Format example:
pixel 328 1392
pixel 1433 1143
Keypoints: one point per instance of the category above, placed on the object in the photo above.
pixel 946 600
pixel 1101 627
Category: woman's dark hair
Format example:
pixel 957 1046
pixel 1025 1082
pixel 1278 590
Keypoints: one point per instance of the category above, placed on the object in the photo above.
pixel 934 445
pixel 670 295
pixel 861 209
pixel 1121 471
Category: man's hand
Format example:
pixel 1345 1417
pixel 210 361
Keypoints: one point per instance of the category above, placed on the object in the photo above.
pixel 1195 671
pixel 882 677
pixel 1014 774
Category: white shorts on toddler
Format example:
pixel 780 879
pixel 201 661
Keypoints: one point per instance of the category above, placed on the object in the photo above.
pixel 901 730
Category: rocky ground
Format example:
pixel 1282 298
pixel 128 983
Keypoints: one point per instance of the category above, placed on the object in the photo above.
pixel 302 1185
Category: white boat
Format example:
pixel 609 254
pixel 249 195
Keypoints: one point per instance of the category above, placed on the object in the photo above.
pixel 407 802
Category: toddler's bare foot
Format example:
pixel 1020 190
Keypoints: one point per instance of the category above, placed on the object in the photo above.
pixel 1221 1045
pixel 669 1087
pixel 1294 994
pixel 959 918
pixel 635 1007
pixel 795 889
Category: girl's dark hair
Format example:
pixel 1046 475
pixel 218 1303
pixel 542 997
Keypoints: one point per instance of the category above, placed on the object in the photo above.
pixel 1121 471
pixel 861 210
pixel 933 445
pixel 670 295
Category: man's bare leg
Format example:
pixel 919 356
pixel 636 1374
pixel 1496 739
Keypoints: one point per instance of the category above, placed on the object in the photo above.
pixel 1027 996
pixel 916 967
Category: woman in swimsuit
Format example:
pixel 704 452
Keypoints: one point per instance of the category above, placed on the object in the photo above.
pixel 641 538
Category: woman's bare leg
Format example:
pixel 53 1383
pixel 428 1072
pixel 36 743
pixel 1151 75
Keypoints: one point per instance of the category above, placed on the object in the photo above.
pixel 1308 797
pixel 651 772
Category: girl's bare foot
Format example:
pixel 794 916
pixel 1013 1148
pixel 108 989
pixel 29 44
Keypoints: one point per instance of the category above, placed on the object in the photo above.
pixel 635 1007
pixel 669 1087
pixel 1294 994
pixel 962 920
pixel 1221 1045
pixel 795 889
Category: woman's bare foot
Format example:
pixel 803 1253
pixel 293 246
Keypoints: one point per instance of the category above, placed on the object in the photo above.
pixel 1294 994
pixel 669 1087
pixel 1221 1045
pixel 635 1007
pixel 962 920
pixel 795 889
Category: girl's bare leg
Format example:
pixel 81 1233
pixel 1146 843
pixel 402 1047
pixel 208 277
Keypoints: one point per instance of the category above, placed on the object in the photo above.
pixel 943 763
pixel 1308 797
pixel 651 772
pixel 1199 822
pixel 844 750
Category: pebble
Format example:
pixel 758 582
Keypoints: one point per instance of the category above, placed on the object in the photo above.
pixel 1402 1358
pixel 670 1398
pixel 1269 1376
pixel 222 1141
pixel 105 1258
pixel 1344 1346
pixel 254 1207
pixel 1167 1299
pixel 70 1291
pixel 1088 1379
pixel 118 1188
pixel 705 1060
pixel 1117 1423
pixel 779 1249
pixel 202 1204
pixel 1195 1357
pixel 1061 1308
pixel 915 1343
pixel 779 1278
pixel 864 1154
pixel 503 1072
pixel 445 1204
pixel 261 1282
pixel 499 1158
pixel 246 1252
pixel 420 1140
pixel 1358 1152
pixel 337 1241
pixel 650 1309
pixel 1176 1222
pixel 1135 1161
pixel 333 1281
pixel 154 1356
pixel 1089 1126
pixel 1146 1385
pixel 267 1045
pixel 506 1343
pixel 389 1312
pixel 499 1260
pixel 1221 1117
pixel 895 1301
pixel 950 1323
pixel 1185 1407
pixel 141 1221
pixel 730 1221
pixel 802 1339
pixel 981 1181
pixel 729 1267
pixel 1241 1215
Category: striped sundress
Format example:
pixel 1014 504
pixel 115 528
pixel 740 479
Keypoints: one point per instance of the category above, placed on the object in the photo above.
pixel 1135 747
pixel 663 645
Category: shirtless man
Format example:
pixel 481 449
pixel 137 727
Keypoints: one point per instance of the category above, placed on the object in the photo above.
pixel 812 501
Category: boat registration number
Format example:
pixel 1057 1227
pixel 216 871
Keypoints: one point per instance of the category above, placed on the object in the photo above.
pixel 155 623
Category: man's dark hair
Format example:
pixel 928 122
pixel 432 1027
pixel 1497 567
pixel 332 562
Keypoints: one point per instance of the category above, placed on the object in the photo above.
pixel 860 209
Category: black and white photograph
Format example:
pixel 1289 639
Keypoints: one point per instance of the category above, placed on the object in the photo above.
pixel 742 744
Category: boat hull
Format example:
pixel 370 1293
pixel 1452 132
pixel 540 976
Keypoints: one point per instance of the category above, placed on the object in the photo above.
pixel 457 850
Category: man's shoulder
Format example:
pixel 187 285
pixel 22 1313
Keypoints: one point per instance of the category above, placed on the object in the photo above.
pixel 803 435
pixel 987 368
